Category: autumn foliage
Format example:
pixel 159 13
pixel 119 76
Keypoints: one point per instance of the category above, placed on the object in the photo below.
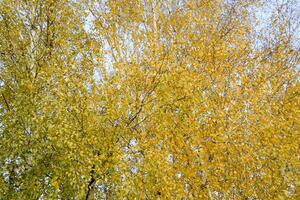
pixel 149 99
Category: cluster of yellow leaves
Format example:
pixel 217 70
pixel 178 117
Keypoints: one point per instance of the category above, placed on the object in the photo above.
pixel 154 100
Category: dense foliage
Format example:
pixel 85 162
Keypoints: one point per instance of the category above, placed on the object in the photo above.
pixel 149 99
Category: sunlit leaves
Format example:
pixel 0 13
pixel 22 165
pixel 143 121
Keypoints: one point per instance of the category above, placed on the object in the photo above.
pixel 146 99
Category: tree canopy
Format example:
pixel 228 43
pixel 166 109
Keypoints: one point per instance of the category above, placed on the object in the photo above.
pixel 149 99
